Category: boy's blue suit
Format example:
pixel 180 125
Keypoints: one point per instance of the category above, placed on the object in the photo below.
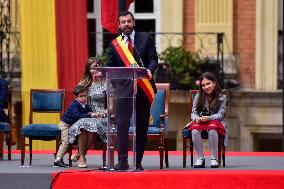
pixel 74 112
pixel 145 46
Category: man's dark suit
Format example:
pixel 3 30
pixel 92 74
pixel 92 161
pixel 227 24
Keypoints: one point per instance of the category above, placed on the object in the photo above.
pixel 3 99
pixel 144 44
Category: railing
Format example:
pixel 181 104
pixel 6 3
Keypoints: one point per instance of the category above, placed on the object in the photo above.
pixel 207 44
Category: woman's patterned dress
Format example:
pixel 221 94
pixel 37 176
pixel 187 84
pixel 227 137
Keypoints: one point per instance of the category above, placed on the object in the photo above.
pixel 97 102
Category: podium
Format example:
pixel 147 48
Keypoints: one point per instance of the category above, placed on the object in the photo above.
pixel 121 93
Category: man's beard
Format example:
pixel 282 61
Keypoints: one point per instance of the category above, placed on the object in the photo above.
pixel 128 31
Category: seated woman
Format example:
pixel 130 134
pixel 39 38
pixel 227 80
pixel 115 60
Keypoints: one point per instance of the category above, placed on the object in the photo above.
pixel 86 128
pixel 208 111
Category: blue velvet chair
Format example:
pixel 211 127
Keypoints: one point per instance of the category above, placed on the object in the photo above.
pixel 42 101
pixel 5 128
pixel 204 135
pixel 158 128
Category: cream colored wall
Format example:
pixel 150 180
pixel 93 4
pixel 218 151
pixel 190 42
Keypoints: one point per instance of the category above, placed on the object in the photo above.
pixel 266 44
pixel 172 21
pixel 215 16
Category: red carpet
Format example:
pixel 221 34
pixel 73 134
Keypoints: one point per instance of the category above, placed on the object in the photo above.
pixel 210 179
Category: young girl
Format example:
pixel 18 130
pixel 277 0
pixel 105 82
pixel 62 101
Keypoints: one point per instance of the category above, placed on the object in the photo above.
pixel 208 111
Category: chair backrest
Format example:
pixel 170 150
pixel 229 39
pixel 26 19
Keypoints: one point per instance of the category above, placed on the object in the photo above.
pixel 8 110
pixel 10 106
pixel 161 103
pixel 46 101
pixel 192 94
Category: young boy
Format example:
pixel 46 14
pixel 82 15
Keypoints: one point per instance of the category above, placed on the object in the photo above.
pixel 77 109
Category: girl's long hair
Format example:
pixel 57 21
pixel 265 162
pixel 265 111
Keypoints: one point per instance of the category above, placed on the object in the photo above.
pixel 87 77
pixel 215 103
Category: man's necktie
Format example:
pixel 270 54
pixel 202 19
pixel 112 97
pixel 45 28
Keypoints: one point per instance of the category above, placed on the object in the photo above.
pixel 130 45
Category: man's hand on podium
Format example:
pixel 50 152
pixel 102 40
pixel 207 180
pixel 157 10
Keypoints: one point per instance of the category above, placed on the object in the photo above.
pixel 149 75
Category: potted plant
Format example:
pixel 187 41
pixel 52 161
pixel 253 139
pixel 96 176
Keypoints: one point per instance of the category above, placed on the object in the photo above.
pixel 184 66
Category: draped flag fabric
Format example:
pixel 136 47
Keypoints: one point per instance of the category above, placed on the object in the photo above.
pixel 54 51
pixel 109 14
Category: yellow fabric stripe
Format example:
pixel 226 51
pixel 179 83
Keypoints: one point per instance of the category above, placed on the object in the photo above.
pixel 132 61
pixel 126 51
pixel 149 86
pixel 38 57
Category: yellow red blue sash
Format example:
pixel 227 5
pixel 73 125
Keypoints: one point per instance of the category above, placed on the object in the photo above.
pixel 129 61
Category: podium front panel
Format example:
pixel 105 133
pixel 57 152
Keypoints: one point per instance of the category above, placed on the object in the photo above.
pixel 121 108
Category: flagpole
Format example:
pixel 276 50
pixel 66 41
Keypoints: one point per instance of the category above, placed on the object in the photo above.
pixel 121 5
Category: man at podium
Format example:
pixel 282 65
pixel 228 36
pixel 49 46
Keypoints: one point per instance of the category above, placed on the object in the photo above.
pixel 133 49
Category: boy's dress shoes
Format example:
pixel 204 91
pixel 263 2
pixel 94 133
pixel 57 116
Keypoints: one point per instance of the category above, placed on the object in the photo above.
pixel 60 164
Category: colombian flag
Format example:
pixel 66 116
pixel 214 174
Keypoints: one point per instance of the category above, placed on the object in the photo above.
pixel 54 50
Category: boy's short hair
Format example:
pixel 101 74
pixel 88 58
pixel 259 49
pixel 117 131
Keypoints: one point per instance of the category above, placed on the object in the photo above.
pixel 79 89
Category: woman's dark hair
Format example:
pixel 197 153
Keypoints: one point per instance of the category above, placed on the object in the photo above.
pixel 214 104
pixel 87 77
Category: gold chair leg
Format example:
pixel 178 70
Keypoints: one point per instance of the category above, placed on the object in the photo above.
pixel 8 142
pixel 223 155
pixel 184 146
pixel 1 145
pixel 191 152
pixel 23 145
pixel 219 153
pixel 104 154
pixel 161 150
pixel 70 154
pixel 166 144
pixel 31 150
pixel 57 143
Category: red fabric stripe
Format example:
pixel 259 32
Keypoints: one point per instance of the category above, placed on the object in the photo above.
pixel 120 52
pixel 146 90
pixel 127 63
pixel 71 43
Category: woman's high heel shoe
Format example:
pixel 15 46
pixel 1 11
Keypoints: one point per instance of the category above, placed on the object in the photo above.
pixel 200 163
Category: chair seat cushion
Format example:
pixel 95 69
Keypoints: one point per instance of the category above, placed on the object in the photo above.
pixel 41 131
pixel 151 130
pixel 4 126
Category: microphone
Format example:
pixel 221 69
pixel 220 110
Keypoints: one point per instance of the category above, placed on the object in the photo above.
pixel 137 52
